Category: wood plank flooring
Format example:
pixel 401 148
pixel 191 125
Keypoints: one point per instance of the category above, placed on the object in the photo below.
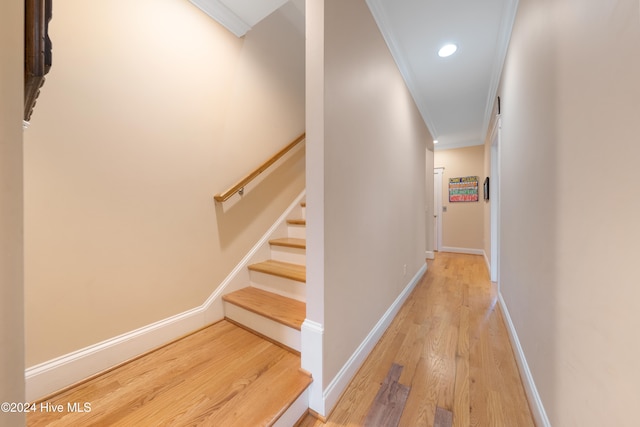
pixel 389 402
pixel 449 340
pixel 222 375
pixel 452 343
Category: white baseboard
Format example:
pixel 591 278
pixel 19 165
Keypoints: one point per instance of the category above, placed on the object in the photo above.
pixel 340 382
pixel 462 250
pixel 539 414
pixel 53 375
pixel 430 255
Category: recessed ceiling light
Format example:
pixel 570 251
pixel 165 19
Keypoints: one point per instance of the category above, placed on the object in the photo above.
pixel 447 50
pixel 435 141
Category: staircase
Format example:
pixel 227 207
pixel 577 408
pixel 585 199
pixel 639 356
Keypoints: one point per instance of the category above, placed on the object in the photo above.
pixel 273 304
pixel 222 374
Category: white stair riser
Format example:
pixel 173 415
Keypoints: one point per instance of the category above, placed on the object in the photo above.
pixel 295 412
pixel 297 231
pixel 287 254
pixel 279 285
pixel 285 335
pixel 304 212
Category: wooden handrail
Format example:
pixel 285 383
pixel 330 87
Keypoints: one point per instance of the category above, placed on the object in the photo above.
pixel 239 186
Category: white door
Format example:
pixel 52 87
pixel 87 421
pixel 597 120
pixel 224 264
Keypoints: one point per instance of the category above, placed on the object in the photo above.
pixel 437 208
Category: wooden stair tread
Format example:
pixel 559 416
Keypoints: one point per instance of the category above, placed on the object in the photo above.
pixel 297 221
pixel 303 204
pixel 281 269
pixel 286 311
pixel 289 242
pixel 272 395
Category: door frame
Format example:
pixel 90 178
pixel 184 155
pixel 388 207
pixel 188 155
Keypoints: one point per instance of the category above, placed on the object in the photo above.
pixel 437 206
pixel 494 198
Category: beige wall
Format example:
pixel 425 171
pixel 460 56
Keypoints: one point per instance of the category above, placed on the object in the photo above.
pixel 463 222
pixel 569 247
pixel 374 181
pixel 11 259
pixel 150 109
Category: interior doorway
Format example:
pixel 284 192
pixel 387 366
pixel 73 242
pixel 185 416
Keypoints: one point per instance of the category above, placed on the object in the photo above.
pixel 437 208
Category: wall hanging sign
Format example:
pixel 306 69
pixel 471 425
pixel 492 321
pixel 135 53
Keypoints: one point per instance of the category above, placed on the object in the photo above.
pixel 463 189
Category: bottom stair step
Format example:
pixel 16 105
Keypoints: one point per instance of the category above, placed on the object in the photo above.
pixel 275 396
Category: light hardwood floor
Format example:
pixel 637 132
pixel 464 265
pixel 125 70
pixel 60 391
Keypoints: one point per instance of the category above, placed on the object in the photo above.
pixel 449 340
pixel 222 375
pixel 452 343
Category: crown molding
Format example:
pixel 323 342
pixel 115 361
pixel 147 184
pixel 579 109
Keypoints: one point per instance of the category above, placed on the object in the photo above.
pixel 225 16
pixel 380 16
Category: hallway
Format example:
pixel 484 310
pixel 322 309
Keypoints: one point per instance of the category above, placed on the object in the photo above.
pixel 448 347
pixel 452 344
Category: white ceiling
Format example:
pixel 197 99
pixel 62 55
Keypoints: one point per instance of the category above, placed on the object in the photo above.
pixel 455 95
pixel 238 16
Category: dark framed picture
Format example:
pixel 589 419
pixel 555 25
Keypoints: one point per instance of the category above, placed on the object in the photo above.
pixel 37 50
pixel 486 188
